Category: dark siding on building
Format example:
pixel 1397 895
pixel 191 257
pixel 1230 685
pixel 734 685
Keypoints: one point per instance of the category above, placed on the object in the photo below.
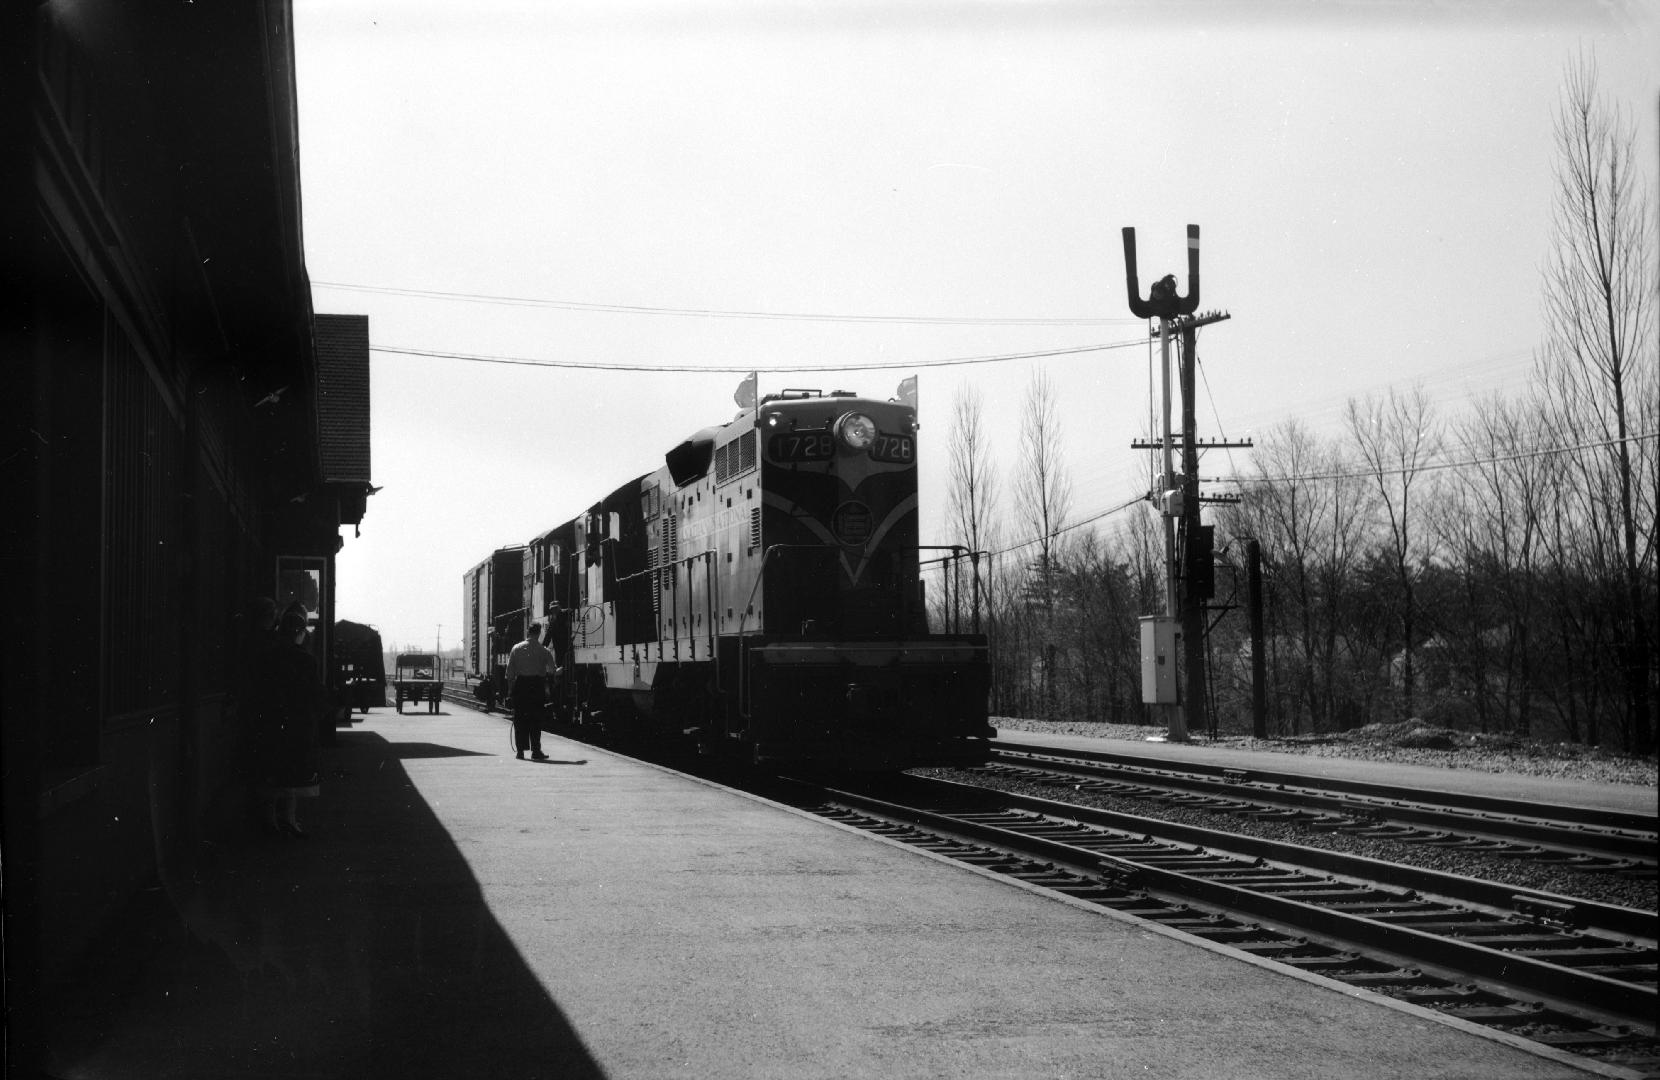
pixel 343 396
pixel 164 447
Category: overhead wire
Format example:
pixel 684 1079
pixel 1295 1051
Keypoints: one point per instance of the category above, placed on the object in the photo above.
pixel 689 369
pixel 1221 429
pixel 894 365
pixel 1368 474
pixel 1435 466
pixel 1092 519
pixel 721 313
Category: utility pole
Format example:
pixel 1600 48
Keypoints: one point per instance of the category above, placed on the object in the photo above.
pixel 1196 556
pixel 1189 543
pixel 1197 539
pixel 1259 659
pixel 1158 655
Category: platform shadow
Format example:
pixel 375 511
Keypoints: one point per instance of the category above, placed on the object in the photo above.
pixel 363 950
pixel 407 751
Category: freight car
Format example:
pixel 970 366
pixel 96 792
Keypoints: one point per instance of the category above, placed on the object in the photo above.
pixel 492 607
pixel 760 596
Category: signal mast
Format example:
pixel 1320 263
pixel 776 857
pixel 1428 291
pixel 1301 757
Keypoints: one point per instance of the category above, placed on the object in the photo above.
pixel 1188 576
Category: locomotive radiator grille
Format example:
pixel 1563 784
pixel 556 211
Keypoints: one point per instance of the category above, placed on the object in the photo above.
pixel 735 458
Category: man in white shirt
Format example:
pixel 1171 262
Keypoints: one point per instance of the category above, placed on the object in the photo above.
pixel 530 669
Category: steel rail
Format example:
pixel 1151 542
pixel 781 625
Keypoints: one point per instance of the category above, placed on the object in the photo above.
pixel 1503 838
pixel 1632 1002
pixel 1495 896
pixel 1618 832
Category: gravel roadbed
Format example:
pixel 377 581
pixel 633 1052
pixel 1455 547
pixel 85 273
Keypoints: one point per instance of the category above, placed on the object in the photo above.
pixel 1379 744
pixel 1406 743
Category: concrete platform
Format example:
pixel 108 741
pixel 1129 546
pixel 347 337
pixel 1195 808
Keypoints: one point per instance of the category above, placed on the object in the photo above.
pixel 1628 798
pixel 458 913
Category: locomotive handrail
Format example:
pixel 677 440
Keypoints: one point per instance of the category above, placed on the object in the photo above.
pixel 707 555
pixel 710 585
pixel 953 598
pixel 657 571
pixel 582 613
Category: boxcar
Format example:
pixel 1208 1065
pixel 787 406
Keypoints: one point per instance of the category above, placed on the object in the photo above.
pixel 492 595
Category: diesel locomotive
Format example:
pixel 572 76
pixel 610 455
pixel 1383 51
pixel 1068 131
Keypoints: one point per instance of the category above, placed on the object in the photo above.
pixel 760 596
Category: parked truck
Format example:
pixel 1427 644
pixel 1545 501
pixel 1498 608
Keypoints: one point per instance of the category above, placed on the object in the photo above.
pixel 418 678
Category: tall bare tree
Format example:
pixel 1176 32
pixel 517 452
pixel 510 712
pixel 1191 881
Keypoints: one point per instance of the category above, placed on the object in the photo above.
pixel 1043 488
pixel 1490 521
pixel 1043 499
pixel 1397 435
pixel 1598 360
pixel 972 489
pixel 1309 515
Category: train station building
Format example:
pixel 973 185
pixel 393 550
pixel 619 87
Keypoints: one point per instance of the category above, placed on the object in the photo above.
pixel 185 435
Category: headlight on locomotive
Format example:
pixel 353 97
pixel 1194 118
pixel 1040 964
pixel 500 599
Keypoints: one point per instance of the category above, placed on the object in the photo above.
pixel 856 431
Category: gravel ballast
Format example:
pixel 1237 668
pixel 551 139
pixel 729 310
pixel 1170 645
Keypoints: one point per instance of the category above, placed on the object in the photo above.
pixel 1379 744
pixel 1406 743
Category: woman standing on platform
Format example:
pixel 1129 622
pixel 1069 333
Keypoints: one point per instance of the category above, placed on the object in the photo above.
pixel 287 700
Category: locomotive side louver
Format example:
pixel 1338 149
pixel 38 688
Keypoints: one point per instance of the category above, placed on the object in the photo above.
pixel 671 542
pixel 735 458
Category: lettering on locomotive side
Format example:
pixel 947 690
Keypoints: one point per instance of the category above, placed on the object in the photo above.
pixel 721 520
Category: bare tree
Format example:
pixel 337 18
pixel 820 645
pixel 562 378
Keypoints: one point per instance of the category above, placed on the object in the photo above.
pixel 1309 517
pixel 1043 492
pixel 972 487
pixel 1599 361
pixel 1043 499
pixel 1396 436
pixel 1491 521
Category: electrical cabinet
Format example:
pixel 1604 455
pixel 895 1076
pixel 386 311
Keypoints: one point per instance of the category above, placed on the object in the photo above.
pixel 1158 660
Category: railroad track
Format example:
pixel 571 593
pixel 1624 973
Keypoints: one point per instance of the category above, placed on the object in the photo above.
pixel 460 693
pixel 1567 974
pixel 1579 838
pixel 1574 976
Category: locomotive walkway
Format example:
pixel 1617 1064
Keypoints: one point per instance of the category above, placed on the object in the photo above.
pixel 457 913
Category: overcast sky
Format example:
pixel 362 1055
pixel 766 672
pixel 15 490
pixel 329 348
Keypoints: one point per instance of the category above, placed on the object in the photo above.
pixel 1373 182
